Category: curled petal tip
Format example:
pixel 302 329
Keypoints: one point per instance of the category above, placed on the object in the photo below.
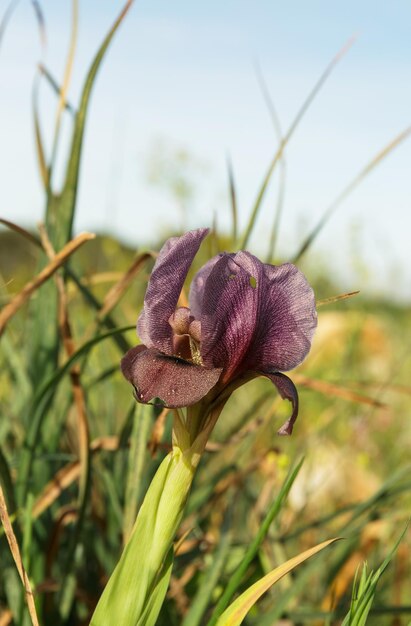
pixel 286 429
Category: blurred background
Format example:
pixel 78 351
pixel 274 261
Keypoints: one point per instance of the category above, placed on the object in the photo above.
pixel 185 89
pixel 180 92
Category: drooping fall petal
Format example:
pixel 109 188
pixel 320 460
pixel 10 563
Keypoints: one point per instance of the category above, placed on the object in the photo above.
pixel 164 288
pixel 173 381
pixel 287 391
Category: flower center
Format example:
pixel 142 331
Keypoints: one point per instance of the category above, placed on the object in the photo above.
pixel 187 335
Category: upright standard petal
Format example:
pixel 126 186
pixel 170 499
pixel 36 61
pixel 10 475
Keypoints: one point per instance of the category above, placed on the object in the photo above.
pixel 164 288
pixel 230 310
pixel 196 294
pixel 286 322
pixel 168 380
pixel 256 316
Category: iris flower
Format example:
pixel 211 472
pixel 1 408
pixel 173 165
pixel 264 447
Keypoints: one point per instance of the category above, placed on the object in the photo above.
pixel 246 319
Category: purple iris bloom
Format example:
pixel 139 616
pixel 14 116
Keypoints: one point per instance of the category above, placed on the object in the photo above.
pixel 246 319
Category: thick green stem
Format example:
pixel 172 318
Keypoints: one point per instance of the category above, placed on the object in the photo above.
pixel 140 568
pixel 136 589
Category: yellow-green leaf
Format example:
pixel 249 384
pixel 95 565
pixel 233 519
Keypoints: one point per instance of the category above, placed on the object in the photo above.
pixel 236 612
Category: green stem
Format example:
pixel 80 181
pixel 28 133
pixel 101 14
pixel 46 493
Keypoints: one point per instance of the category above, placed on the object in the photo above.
pixel 135 578
pixel 135 592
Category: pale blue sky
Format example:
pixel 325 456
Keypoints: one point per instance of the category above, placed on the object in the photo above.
pixel 183 73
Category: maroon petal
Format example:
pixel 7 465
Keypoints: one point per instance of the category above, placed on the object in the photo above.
pixel 173 381
pixel 287 319
pixel 287 391
pixel 196 294
pixel 164 288
pixel 230 309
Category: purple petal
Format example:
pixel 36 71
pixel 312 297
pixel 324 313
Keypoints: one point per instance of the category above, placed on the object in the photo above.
pixel 287 391
pixel 256 316
pixel 195 297
pixel 175 382
pixel 287 319
pixel 164 288
pixel 230 309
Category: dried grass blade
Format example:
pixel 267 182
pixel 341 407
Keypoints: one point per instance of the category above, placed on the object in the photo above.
pixel 331 389
pixel 66 78
pixel 67 200
pixel 55 86
pixel 117 291
pixel 287 137
pixel 21 231
pixel 343 296
pixel 350 187
pixel 14 549
pixel 61 257
pixel 68 474
pixel 82 422
pixel 6 617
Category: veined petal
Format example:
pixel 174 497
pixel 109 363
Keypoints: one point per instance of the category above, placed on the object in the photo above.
pixel 196 294
pixel 164 288
pixel 230 310
pixel 173 381
pixel 287 391
pixel 256 316
pixel 287 319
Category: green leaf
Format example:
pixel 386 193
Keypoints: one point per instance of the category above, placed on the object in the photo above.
pixel 156 599
pixel 237 611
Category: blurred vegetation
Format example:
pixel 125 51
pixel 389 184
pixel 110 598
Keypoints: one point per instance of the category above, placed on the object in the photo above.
pixel 77 453
pixel 353 432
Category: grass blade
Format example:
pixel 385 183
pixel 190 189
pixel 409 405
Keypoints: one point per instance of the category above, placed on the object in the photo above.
pixel 283 168
pixel 21 298
pixel 56 88
pixel 15 551
pixel 66 205
pixel 210 578
pixel 287 137
pixel 236 578
pixel 364 589
pixel 237 611
pixel 233 199
pixel 41 157
pixel 349 189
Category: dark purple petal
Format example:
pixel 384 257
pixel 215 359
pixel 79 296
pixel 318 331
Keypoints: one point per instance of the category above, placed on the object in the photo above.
pixel 287 319
pixel 287 391
pixel 230 310
pixel 175 382
pixel 164 288
pixel 256 316
pixel 195 297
